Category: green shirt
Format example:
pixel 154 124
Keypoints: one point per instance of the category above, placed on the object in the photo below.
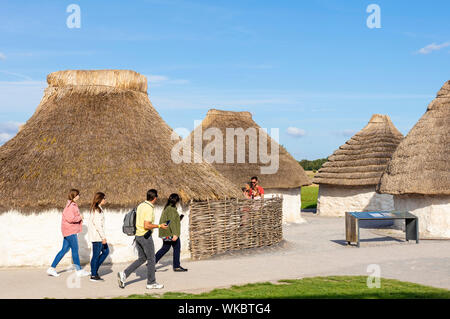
pixel 170 213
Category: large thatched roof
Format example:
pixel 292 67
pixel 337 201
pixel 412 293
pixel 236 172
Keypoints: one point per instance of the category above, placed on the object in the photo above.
pixel 421 163
pixel 289 175
pixel 363 158
pixel 98 131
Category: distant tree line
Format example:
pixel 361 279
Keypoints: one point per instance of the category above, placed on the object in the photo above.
pixel 312 165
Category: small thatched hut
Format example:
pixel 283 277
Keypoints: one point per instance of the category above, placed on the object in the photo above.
pixel 419 173
pixel 94 131
pixel 285 181
pixel 349 178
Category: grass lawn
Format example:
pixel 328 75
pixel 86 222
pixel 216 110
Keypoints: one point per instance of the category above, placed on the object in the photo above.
pixel 339 287
pixel 309 196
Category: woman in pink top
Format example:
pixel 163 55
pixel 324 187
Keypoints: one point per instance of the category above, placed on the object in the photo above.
pixel 71 225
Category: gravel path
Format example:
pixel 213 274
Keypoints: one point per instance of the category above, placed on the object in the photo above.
pixel 316 248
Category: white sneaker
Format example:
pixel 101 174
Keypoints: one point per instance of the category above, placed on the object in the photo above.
pixel 155 286
pixel 82 273
pixel 52 272
pixel 121 279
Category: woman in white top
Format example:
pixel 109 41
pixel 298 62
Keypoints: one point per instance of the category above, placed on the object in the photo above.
pixel 96 233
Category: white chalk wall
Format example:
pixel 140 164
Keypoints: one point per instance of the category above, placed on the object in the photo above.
pixel 433 213
pixel 34 240
pixel 292 203
pixel 336 200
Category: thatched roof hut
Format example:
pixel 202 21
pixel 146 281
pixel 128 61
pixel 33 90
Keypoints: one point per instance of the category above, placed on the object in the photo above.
pixel 421 163
pixel 97 130
pixel 419 173
pixel 348 179
pixel 94 131
pixel 289 177
pixel 363 158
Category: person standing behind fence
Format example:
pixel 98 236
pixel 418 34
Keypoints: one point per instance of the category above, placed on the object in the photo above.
pixel 145 217
pixel 71 225
pixel 247 190
pixel 255 186
pixel 96 234
pixel 171 236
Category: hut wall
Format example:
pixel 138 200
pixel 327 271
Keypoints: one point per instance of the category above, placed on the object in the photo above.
pixel 220 226
pixel 433 213
pixel 336 200
pixel 38 238
pixel 292 203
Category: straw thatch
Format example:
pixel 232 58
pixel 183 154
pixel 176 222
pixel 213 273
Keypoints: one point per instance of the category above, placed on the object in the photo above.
pixel 100 136
pixel 363 158
pixel 289 175
pixel 421 163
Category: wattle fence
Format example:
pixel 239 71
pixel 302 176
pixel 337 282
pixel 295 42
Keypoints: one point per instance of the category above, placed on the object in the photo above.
pixel 218 226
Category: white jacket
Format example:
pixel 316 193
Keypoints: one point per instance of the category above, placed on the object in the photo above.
pixel 96 226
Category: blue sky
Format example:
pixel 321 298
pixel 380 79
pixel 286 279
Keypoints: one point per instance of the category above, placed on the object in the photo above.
pixel 312 68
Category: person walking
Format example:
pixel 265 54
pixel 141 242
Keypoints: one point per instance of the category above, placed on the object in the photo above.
pixel 96 234
pixel 171 236
pixel 145 217
pixel 71 225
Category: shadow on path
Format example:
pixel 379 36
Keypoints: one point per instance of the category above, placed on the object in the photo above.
pixel 371 240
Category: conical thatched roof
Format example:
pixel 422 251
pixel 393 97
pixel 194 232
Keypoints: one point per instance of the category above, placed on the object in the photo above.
pixel 98 131
pixel 289 175
pixel 363 158
pixel 421 163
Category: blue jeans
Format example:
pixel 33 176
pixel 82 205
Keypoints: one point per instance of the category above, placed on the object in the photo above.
pixel 70 242
pixel 176 252
pixel 99 254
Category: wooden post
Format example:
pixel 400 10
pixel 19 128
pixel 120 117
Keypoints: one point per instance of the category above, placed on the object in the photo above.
pixel 350 228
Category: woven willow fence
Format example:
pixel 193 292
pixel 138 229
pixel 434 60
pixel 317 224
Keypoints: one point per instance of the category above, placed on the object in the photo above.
pixel 223 225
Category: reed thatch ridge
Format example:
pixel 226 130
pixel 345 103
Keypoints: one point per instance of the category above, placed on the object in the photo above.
pixel 98 138
pixel 290 174
pixel 421 163
pixel 121 79
pixel 363 158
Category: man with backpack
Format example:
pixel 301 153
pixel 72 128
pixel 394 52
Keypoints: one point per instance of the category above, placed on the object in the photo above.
pixel 145 217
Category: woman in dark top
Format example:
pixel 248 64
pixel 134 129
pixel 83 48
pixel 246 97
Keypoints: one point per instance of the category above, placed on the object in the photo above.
pixel 171 235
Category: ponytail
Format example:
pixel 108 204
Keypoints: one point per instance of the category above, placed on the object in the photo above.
pixel 72 194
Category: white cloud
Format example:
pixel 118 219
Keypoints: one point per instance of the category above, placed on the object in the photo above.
pixel 4 137
pixel 295 132
pixel 10 127
pixel 433 47
pixel 2 56
pixel 8 130
pixel 346 133
pixel 157 80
